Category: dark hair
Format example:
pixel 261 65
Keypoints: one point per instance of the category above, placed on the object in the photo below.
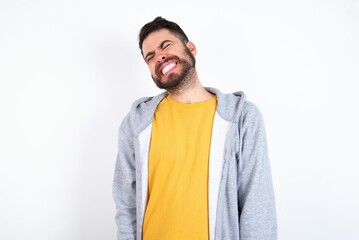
pixel 161 23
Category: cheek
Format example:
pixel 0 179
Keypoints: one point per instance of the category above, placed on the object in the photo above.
pixel 152 68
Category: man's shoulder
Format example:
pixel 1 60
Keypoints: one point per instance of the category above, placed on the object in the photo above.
pixel 229 104
pixel 232 105
pixel 141 113
pixel 250 108
pixel 141 105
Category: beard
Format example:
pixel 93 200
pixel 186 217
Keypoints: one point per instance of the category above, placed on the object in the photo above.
pixel 177 82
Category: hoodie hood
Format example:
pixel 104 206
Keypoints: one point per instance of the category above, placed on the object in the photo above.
pixel 229 105
pixel 141 115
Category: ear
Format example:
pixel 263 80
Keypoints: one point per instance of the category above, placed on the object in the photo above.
pixel 191 47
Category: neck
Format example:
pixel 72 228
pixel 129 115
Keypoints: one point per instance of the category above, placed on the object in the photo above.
pixel 194 93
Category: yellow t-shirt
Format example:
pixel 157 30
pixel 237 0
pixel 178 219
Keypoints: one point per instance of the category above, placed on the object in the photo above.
pixel 178 171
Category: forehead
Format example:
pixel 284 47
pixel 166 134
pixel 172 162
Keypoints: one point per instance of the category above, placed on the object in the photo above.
pixel 154 39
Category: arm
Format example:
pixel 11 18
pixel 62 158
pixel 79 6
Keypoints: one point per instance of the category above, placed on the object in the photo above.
pixel 255 190
pixel 124 188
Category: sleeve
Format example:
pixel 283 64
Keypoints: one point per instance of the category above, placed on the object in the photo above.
pixel 124 188
pixel 257 210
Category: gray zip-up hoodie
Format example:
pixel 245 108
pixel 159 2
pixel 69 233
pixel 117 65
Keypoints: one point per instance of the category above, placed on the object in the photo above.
pixel 240 195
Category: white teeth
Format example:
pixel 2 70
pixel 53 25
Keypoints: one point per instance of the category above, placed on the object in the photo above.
pixel 168 67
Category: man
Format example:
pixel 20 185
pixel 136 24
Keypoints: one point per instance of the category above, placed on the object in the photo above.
pixel 192 161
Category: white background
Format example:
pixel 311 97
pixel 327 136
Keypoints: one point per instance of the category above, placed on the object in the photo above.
pixel 70 70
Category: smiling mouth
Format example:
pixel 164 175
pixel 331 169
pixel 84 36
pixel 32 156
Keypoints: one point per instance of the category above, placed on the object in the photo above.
pixel 168 68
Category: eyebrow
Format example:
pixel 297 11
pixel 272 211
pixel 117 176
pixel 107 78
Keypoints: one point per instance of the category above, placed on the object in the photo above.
pixel 160 46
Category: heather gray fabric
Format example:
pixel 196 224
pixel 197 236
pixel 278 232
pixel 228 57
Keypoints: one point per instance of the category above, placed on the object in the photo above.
pixel 241 200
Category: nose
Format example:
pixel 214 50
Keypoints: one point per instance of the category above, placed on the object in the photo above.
pixel 161 57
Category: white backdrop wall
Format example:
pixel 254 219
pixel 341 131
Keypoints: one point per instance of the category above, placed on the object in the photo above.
pixel 70 70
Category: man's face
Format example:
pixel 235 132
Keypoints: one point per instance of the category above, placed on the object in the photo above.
pixel 170 62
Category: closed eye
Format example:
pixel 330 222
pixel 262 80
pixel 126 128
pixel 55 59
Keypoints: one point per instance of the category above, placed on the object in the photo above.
pixel 149 58
pixel 166 45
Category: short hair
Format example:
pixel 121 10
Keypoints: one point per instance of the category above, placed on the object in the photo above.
pixel 161 23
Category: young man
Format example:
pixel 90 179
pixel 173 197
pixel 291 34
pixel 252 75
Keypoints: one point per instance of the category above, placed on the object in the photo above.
pixel 192 162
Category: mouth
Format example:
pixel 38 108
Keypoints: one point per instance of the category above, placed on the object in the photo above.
pixel 167 67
